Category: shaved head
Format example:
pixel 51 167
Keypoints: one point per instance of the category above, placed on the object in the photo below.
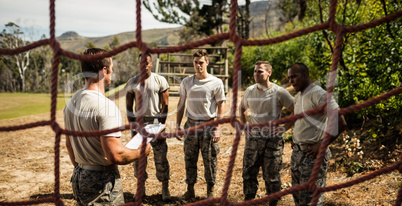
pixel 300 68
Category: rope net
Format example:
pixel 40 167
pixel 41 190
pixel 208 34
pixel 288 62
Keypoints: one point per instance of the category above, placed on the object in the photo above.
pixel 330 24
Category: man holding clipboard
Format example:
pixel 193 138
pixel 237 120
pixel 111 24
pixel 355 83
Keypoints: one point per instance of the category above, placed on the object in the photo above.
pixel 154 111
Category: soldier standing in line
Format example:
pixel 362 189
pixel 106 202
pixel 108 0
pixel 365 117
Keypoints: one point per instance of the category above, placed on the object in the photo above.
pixel 205 99
pixel 308 132
pixel 154 109
pixel 264 147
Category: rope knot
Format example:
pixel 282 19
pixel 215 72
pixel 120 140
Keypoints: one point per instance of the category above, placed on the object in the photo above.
pixel 312 187
pixel 56 127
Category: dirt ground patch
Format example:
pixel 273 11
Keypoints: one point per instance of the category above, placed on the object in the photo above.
pixel 27 169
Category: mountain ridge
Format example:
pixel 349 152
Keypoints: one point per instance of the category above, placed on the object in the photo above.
pixel 260 11
pixel 72 41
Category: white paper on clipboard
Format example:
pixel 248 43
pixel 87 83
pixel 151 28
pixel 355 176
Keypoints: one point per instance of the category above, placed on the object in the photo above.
pixel 136 141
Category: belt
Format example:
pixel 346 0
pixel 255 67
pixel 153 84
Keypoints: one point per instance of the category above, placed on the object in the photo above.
pixel 262 134
pixel 197 121
pixel 98 167
pixel 149 120
pixel 303 146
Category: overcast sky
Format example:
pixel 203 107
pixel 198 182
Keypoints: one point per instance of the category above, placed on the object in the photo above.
pixel 90 18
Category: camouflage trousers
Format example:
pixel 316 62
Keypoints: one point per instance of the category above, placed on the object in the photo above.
pixel 97 187
pixel 301 166
pixel 160 150
pixel 201 140
pixel 266 153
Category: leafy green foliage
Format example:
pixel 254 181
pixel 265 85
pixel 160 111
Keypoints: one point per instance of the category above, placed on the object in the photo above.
pixel 13 37
pixel 90 45
pixel 281 56
pixel 200 20
pixel 115 43
pixel 373 66
pixel 370 65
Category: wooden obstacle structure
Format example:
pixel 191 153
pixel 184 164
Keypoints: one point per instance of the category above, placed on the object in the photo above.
pixel 176 66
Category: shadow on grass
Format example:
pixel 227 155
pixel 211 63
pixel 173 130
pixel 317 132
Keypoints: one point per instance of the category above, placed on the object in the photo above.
pixel 130 197
pixel 63 196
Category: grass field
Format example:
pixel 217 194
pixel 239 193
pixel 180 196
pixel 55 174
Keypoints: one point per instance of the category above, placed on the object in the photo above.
pixel 22 104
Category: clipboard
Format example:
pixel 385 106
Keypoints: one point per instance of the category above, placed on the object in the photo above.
pixel 136 141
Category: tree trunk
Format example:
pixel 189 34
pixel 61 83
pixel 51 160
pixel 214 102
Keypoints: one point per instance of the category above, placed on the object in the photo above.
pixel 302 11
pixel 247 21
pixel 22 64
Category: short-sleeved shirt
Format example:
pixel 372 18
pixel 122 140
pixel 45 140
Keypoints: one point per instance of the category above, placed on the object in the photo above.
pixel 86 111
pixel 202 96
pixel 266 105
pixel 310 129
pixel 154 85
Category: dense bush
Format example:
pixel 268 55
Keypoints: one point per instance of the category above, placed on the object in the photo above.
pixel 371 64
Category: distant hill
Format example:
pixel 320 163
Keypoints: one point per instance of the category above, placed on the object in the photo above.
pixel 74 42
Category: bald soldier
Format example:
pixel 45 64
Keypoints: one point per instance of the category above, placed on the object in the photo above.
pixel 308 132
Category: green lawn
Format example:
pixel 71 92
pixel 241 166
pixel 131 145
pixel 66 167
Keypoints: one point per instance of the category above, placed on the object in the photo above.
pixel 22 104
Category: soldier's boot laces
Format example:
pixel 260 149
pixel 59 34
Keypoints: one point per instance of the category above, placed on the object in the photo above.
pixel 165 191
pixel 190 192
pixel 210 191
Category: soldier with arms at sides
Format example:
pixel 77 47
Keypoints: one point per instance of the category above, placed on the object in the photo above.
pixel 264 146
pixel 205 97
pixel 154 110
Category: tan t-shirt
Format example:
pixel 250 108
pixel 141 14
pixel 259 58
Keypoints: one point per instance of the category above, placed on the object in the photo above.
pixel 86 111
pixel 266 105
pixel 202 96
pixel 154 85
pixel 310 129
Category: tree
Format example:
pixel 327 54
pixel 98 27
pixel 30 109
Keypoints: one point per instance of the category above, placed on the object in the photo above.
pixel 40 72
pixel 115 43
pixel 199 19
pixel 8 82
pixel 302 9
pixel 12 38
pixel 370 64
pixel 90 45
pixel 243 20
pixel 292 9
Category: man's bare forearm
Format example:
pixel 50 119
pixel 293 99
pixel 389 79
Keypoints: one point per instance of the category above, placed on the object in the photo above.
pixel 129 106
pixel 164 96
pixel 180 111
pixel 242 111
pixel 70 151
pixel 221 110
